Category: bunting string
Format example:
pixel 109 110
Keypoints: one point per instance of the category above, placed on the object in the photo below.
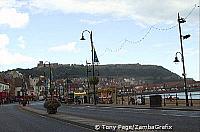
pixel 125 41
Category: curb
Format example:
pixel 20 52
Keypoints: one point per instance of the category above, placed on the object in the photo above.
pixel 86 126
pixel 156 108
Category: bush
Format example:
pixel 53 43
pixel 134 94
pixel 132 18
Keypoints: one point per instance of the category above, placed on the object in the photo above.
pixel 52 104
pixel 94 80
pixel 24 102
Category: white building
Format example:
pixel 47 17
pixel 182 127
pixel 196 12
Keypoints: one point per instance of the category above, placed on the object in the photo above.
pixel 4 87
pixel 33 84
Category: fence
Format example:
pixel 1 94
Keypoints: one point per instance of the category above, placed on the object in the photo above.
pixel 168 99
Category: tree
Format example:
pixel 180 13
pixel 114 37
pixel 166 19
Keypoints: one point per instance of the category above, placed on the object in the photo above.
pixel 94 80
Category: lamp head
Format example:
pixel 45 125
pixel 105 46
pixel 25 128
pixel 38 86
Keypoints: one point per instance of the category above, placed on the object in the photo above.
pixel 82 38
pixel 181 20
pixel 176 59
pixel 186 36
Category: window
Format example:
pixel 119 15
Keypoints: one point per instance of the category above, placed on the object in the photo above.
pixel 18 93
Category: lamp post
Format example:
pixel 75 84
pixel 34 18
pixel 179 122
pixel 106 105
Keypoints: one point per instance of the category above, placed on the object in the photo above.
pixel 42 81
pixel 182 20
pixel 50 79
pixel 63 90
pixel 45 84
pixel 23 88
pixel 24 91
pixel 88 84
pixel 191 100
pixel 82 38
pixel 67 87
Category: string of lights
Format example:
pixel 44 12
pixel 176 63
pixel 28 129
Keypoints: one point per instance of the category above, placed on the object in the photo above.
pixel 165 29
pixel 125 41
pixel 169 28
pixel 191 11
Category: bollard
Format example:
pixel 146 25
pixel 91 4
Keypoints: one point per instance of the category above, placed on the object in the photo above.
pixel 176 100
pixel 191 100
pixel 164 100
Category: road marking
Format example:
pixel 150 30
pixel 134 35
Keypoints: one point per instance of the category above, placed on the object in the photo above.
pixel 121 108
pixel 104 110
pixel 106 107
pixel 88 106
pixel 37 103
pixel 195 116
pixel 2 105
pixel 42 116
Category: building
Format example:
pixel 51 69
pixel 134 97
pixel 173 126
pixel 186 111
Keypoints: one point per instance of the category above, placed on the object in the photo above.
pixel 4 90
pixel 41 64
pixel 34 85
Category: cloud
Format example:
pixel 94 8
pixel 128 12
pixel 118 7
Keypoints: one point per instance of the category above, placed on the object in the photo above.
pixel 13 58
pixel 80 6
pixel 191 51
pixel 12 18
pixel 156 11
pixel 8 57
pixel 141 11
pixel 4 40
pixel 22 42
pixel 92 22
pixel 70 47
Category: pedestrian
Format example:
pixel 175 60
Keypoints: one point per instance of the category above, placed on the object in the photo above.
pixel 3 101
pixel 132 101
pixel 28 100
pixel 19 100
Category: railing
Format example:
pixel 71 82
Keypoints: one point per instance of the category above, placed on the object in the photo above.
pixel 168 99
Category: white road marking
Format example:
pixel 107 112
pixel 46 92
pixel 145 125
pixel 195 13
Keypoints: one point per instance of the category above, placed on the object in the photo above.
pixel 42 116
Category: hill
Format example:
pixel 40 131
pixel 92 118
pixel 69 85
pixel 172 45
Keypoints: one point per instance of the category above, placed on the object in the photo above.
pixel 148 73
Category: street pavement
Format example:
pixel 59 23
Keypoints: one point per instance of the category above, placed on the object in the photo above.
pixel 181 119
pixel 14 119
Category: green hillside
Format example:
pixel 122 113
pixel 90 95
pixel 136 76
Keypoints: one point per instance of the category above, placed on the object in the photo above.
pixel 148 73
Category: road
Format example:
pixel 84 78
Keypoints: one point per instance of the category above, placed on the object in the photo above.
pixel 12 119
pixel 180 120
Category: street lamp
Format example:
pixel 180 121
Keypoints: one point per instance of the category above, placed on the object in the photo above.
pixel 24 90
pixel 50 79
pixel 60 85
pixel 92 46
pixel 182 20
pixel 88 84
pixel 67 86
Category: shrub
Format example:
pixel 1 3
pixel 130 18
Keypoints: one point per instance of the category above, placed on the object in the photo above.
pixel 52 104
pixel 94 80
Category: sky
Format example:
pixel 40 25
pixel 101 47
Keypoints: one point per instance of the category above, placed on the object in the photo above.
pixel 123 32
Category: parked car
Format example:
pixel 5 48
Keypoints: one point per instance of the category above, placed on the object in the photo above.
pixel 63 100
pixel 41 98
pixel 138 101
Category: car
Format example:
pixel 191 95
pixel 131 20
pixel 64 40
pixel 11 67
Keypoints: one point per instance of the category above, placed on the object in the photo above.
pixel 138 101
pixel 41 98
pixel 63 100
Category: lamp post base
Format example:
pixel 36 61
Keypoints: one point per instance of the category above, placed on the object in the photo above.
pixel 186 97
